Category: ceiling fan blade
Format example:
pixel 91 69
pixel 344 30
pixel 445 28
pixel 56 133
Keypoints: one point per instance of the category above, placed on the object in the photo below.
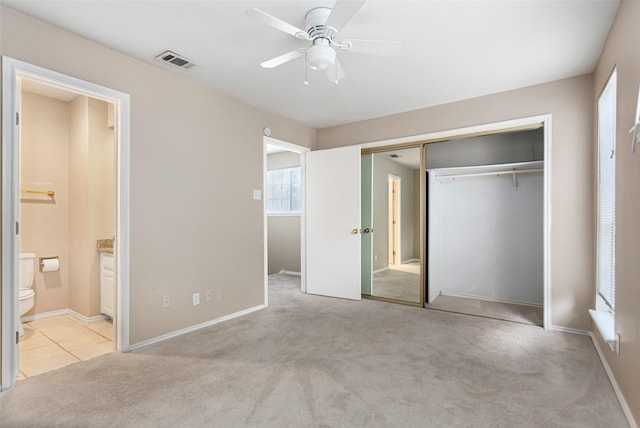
pixel 336 73
pixel 278 24
pixel 373 47
pixel 342 13
pixel 279 60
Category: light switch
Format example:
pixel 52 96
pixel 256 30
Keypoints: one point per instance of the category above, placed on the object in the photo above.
pixel 257 194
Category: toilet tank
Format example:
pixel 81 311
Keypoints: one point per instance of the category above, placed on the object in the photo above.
pixel 27 267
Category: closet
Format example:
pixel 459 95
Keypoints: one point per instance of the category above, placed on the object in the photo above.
pixel 485 225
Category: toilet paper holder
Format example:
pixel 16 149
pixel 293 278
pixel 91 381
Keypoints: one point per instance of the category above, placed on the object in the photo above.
pixel 43 259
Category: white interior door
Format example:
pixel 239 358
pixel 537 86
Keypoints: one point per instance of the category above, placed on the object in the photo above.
pixel 333 222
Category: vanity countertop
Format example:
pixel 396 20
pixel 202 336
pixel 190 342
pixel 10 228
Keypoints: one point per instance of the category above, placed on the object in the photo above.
pixel 105 245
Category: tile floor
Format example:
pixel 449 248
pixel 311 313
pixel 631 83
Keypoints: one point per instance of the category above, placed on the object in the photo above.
pixel 55 342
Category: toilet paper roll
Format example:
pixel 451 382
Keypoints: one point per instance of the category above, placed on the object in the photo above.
pixel 50 265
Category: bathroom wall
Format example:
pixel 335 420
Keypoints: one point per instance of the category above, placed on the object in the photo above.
pixel 44 220
pixel 283 231
pixel 92 200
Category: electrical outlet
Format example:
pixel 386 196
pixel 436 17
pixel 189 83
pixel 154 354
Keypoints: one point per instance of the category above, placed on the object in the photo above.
pixel 375 257
pixel 208 295
pixel 219 294
pixel 196 299
pixel 165 301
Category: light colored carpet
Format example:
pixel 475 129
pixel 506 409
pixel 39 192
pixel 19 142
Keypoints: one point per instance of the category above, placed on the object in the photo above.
pixel 311 361
pixel 396 284
pixel 503 311
pixel 410 267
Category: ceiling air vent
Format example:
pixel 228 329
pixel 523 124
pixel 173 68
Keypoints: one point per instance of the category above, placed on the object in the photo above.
pixel 176 60
pixel 393 155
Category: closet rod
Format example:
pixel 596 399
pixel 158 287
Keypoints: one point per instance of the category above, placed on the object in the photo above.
pixel 477 174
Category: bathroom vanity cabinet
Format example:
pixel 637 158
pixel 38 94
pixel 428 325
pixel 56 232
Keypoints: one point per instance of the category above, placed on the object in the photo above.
pixel 107 283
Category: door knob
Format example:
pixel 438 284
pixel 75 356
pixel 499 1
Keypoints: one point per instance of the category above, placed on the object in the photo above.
pixel 366 230
pixel 354 231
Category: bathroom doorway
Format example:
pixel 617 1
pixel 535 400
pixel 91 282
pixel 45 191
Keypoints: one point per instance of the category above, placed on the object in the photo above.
pixel 284 215
pixel 67 218
pixel 65 204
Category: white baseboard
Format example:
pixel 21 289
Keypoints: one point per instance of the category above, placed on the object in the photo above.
pixel 614 384
pixel 381 270
pixel 61 312
pixel 177 333
pixel 569 330
pixel 87 320
pixel 288 272
pixel 409 261
pixel 490 299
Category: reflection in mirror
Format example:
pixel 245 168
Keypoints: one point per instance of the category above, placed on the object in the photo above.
pixel 391 210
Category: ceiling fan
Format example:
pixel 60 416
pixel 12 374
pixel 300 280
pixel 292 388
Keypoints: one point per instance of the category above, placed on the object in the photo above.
pixel 322 25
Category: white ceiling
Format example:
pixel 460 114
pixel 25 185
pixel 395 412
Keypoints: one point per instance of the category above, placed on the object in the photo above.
pixel 452 50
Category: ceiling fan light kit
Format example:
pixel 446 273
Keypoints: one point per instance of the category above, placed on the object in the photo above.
pixel 322 25
pixel 321 56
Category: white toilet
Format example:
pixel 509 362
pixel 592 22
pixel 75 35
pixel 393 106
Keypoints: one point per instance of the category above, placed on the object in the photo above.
pixel 26 293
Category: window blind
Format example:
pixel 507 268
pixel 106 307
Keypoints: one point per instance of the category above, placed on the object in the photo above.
pixel 284 190
pixel 606 192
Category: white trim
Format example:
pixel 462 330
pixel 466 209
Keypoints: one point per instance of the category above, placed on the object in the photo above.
pixel 381 270
pixel 623 403
pixel 289 272
pixel 547 223
pixel 568 330
pixel 447 134
pixel 301 150
pixel 410 261
pixel 12 71
pixel 10 214
pixel 62 312
pixel 293 214
pixel 490 299
pixel 44 315
pixel 606 324
pixel 193 328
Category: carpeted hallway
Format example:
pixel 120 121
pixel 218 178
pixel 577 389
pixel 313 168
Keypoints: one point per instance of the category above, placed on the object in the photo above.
pixel 310 361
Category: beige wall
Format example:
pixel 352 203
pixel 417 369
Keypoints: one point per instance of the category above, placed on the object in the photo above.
pixel 283 160
pixel 570 103
pixel 283 232
pixel 194 223
pixel 621 50
pixel 92 200
pixel 45 220
pixel 283 243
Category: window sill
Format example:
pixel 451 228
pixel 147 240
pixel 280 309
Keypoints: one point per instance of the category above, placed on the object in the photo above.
pixel 605 322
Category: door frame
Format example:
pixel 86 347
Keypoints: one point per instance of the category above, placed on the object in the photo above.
pixel 12 72
pixel 394 206
pixel 522 124
pixel 301 150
